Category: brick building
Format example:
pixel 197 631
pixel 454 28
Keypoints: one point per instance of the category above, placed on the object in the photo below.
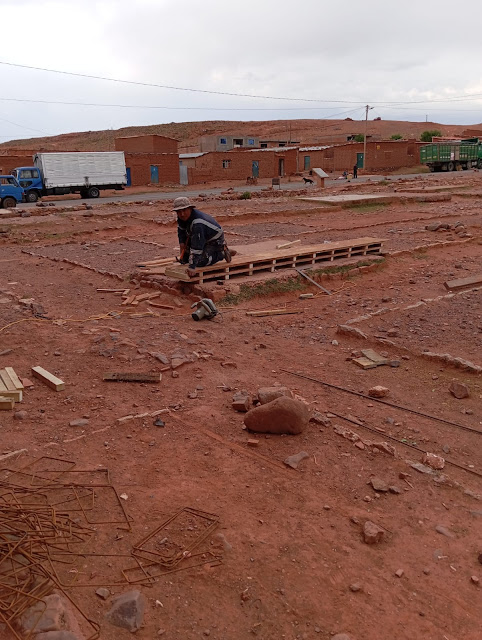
pixel 381 156
pixel 150 159
pixel 12 160
pixel 239 165
pixel 224 142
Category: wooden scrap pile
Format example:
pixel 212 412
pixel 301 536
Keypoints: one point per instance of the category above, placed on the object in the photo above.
pixel 11 389
pixel 370 359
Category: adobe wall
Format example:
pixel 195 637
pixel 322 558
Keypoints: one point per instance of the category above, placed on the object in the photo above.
pixel 140 166
pixel 146 144
pixel 9 162
pixel 210 166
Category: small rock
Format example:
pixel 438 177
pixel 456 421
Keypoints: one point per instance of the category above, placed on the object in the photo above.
pixel 393 333
pixel 268 394
pixel 334 343
pixel 459 390
pixel 355 587
pixel 378 392
pixel 394 364
pixel 127 611
pixel 293 461
pixel 159 423
pixel 399 573
pixel 319 418
pixel 372 533
pixel 379 485
pixel 80 422
pixel 474 579
pixel 444 531
pixel 433 226
pixel 395 490
pixel 103 593
pixel 241 401
pixel 433 461
pixel 20 415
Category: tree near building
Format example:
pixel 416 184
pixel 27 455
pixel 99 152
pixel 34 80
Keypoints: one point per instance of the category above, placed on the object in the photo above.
pixel 396 136
pixel 428 135
pixel 359 137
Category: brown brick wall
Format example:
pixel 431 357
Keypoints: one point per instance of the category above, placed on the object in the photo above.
pixel 146 144
pixel 7 163
pixel 140 166
pixel 210 166
pixel 381 156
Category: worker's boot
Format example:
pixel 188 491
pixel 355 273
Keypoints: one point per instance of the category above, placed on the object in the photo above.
pixel 229 253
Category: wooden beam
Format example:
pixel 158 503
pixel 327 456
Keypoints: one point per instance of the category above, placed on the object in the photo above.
pixel 272 312
pixel 287 244
pixel 131 377
pixel 463 283
pixel 14 378
pixel 6 404
pixel 48 378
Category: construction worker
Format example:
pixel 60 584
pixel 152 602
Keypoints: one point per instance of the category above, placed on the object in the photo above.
pixel 201 237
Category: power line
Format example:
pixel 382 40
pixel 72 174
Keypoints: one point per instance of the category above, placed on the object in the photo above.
pixel 464 97
pixel 136 106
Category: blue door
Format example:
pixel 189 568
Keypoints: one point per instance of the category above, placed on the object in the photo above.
pixel 154 174
pixel 128 176
pixel 255 169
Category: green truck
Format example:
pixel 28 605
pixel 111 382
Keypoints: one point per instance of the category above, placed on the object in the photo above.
pixel 452 156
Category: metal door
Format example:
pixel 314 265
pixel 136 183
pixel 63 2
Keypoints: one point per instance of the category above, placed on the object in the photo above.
pixel 128 176
pixel 255 168
pixel 307 162
pixel 154 174
pixel 359 160
pixel 281 167
pixel 183 178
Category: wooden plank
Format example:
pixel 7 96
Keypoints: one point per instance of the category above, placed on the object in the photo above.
pixel 160 305
pixel 6 404
pixel 462 283
pixel 128 300
pixel 14 378
pixel 365 363
pixel 272 312
pixel 110 290
pixel 374 356
pixel 287 244
pixel 15 394
pixel 48 378
pixel 131 377
pixel 6 380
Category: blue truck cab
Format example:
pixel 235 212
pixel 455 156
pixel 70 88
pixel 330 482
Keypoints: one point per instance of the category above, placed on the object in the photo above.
pixel 30 179
pixel 10 192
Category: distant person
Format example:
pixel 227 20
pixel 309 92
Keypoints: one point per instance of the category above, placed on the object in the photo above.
pixel 345 174
pixel 355 171
pixel 201 237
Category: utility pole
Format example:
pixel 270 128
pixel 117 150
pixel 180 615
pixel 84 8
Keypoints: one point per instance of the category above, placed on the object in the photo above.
pixel 367 109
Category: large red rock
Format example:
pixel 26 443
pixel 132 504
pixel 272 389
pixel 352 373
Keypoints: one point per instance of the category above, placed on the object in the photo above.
pixel 283 415
pixel 268 394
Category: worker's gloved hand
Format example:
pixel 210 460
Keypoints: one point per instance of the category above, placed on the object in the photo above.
pixel 183 260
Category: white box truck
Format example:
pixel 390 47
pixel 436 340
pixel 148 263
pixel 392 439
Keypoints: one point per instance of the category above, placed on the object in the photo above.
pixel 84 172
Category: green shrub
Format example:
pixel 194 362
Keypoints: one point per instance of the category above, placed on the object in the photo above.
pixel 396 136
pixel 245 196
pixel 359 137
pixel 428 135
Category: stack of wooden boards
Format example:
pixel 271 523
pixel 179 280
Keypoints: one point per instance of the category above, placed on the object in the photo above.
pixel 288 258
pixel 11 389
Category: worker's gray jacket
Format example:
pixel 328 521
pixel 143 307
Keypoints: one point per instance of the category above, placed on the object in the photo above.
pixel 202 233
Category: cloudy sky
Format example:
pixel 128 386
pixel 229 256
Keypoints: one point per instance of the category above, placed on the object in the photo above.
pixel 411 60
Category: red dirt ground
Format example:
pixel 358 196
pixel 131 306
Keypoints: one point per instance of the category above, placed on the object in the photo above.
pixel 294 536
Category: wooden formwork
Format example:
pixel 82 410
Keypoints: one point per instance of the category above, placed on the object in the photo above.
pixel 300 257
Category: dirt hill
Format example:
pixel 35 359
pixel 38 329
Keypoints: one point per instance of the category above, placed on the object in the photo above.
pixel 188 133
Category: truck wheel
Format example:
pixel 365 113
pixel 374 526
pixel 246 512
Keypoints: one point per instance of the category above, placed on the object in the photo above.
pixel 9 203
pixel 32 196
pixel 450 166
pixel 93 192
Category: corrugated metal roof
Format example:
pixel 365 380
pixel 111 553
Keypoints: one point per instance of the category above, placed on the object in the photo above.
pixel 192 155
pixel 316 148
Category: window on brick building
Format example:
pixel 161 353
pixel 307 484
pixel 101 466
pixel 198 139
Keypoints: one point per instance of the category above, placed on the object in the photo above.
pixel 251 142
pixel 223 141
pixel 238 142
pixel 226 164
